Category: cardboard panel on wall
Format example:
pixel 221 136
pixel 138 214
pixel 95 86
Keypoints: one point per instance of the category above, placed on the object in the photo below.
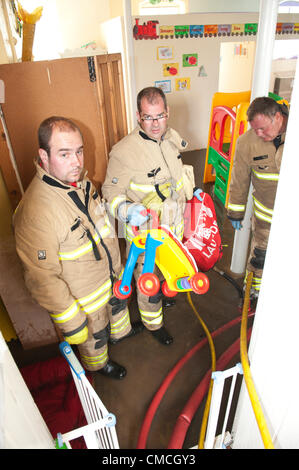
pixel 65 87
pixel 13 188
pixel 90 92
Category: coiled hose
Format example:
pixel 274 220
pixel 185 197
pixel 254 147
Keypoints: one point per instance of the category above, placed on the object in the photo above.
pixel 265 434
pixel 230 279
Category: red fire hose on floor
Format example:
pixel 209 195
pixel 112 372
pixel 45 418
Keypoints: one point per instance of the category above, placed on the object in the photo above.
pixel 184 420
pixel 187 414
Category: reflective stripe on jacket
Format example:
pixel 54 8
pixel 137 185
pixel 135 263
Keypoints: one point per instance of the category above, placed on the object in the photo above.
pixel 139 166
pixel 258 162
pixel 68 249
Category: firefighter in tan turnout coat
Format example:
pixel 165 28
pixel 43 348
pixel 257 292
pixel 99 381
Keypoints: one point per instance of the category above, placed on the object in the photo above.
pixel 69 250
pixel 257 160
pixel 145 170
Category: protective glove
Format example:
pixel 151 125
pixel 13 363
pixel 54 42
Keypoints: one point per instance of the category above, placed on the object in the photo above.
pixel 79 337
pixel 199 194
pixel 133 215
pixel 236 224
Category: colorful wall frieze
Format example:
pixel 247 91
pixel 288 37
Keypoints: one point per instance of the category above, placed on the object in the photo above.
pixel 152 30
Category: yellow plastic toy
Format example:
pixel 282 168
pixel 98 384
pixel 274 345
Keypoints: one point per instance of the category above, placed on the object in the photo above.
pixel 175 262
pixel 227 122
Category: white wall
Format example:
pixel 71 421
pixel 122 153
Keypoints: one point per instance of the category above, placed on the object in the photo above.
pixel 190 109
pixel 21 424
pixel 79 20
pixel 65 25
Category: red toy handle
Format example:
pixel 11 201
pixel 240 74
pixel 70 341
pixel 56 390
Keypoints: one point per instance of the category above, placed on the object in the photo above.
pixel 155 220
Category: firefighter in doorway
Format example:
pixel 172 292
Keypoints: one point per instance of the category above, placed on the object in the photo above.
pixel 257 160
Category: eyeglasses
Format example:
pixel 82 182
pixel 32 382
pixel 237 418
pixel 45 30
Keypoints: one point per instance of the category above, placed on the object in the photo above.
pixel 151 118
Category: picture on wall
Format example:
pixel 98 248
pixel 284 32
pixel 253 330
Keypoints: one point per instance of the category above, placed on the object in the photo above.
pixel 202 71
pixel 182 84
pixel 190 60
pixel 165 85
pixel 170 69
pixel 164 53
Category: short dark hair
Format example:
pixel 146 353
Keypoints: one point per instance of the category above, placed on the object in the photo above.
pixel 48 125
pixel 151 94
pixel 263 105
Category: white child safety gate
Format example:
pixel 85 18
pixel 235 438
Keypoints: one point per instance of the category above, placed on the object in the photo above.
pixel 100 432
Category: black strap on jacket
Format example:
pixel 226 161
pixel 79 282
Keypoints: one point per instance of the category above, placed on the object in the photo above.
pixel 84 208
pixel 277 141
pixel 161 196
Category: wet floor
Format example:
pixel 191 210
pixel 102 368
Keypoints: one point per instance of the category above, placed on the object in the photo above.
pixel 149 363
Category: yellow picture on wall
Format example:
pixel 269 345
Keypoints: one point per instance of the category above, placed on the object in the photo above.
pixel 182 84
pixel 169 70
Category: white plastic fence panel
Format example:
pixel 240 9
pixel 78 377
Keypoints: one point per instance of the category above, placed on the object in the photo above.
pixel 212 441
pixel 100 433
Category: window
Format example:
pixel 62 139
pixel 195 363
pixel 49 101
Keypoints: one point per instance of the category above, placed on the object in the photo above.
pixel 162 7
pixel 46 27
pixel 288 7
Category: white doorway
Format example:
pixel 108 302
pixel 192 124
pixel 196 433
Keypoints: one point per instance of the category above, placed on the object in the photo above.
pixel 236 66
pixel 285 56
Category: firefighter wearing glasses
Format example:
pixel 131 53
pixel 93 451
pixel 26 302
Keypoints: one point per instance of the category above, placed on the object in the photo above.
pixel 145 170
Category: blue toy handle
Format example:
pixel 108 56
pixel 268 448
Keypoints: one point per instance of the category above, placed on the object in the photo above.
pixel 71 358
pixel 151 246
pixel 123 287
pixel 129 269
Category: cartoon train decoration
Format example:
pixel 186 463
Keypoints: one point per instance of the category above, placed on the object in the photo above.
pixel 146 30
pixel 149 30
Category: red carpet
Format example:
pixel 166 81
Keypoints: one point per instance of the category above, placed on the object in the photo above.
pixel 54 391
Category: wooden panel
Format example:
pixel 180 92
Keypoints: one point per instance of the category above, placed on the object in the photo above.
pixel 12 186
pixel 37 90
pixel 111 96
pixel 33 92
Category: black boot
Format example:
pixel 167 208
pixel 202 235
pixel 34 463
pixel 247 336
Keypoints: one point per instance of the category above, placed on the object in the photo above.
pixel 113 370
pixel 137 327
pixel 168 302
pixel 162 336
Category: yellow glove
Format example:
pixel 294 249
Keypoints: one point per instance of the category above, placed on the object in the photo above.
pixel 154 202
pixel 79 337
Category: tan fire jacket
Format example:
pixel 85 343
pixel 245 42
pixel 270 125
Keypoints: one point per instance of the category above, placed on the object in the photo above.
pixel 259 162
pixel 140 168
pixel 68 249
